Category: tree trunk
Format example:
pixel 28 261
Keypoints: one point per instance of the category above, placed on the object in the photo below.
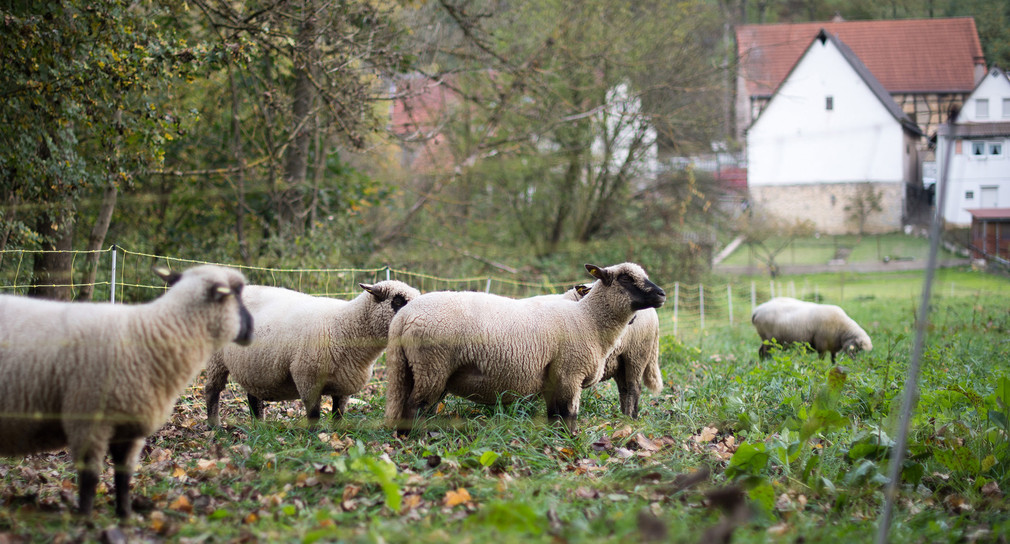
pixel 96 240
pixel 53 269
pixel 296 166
pixel 236 147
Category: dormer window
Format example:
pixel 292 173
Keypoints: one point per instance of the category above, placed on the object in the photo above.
pixel 982 108
pixel 829 103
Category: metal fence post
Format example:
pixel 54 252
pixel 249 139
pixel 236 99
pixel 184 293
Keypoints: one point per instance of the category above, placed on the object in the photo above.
pixel 701 303
pixel 676 305
pixel 112 280
pixel 729 300
pixel 753 297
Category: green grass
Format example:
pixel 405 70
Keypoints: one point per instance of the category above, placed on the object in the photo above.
pixel 867 248
pixel 812 465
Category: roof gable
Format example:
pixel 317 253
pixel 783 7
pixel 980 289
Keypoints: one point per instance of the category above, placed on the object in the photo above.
pixel 994 87
pixel 910 55
pixel 872 84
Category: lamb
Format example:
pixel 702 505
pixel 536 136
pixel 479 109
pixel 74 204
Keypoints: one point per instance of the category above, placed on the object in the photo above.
pixel 307 347
pixel 488 348
pixel 100 377
pixel 824 326
pixel 636 358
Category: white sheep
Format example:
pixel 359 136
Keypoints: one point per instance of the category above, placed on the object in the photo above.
pixel 102 377
pixel 824 326
pixel 488 348
pixel 306 347
pixel 635 359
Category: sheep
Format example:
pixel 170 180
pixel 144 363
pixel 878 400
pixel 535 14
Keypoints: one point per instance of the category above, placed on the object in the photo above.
pixel 99 377
pixel 635 359
pixel 307 346
pixel 824 326
pixel 488 348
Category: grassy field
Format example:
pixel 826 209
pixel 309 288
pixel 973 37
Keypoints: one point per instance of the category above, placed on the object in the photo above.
pixel 871 247
pixel 787 449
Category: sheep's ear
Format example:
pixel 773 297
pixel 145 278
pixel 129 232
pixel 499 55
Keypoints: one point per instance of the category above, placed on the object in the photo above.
pixel 219 292
pixel 169 276
pixel 599 273
pixel 374 291
pixel 582 289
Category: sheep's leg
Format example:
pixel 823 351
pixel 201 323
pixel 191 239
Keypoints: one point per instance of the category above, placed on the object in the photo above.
pixel 563 403
pixel 88 445
pixel 312 409
pixel 217 380
pixel 629 389
pixel 339 405
pixel 255 406
pixel 124 455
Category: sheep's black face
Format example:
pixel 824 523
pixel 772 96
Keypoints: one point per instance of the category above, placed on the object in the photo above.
pixel 245 331
pixel 644 294
pixel 399 301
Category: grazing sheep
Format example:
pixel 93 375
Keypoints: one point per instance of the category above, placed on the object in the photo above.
pixel 636 358
pixel 307 347
pixel 102 377
pixel 488 348
pixel 824 326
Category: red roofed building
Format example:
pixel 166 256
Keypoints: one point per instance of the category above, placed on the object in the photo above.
pixel 419 112
pixel 990 233
pixel 927 66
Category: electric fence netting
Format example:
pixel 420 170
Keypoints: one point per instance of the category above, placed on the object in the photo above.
pixel 691 310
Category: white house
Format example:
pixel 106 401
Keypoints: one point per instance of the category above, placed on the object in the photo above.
pixel 829 137
pixel 979 171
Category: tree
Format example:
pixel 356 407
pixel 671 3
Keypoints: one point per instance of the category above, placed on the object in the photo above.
pixel 77 121
pixel 768 235
pixel 303 85
pixel 564 110
pixel 862 204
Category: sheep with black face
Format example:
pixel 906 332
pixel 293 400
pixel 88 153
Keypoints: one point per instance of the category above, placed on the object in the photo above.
pixel 488 348
pixel 98 377
pixel 307 346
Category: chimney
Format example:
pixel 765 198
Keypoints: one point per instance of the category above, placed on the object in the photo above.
pixel 980 69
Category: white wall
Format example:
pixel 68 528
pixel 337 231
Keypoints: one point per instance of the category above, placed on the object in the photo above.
pixel 976 175
pixel 796 140
pixel 979 181
pixel 993 88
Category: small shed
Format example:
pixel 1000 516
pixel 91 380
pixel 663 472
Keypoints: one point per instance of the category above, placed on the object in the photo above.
pixel 990 233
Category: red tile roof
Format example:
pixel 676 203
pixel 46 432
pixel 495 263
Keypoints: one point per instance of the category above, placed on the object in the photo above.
pixel 908 55
pixel 990 213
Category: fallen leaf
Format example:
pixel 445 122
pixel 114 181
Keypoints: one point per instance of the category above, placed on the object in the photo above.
pixel 182 504
pixel 623 432
pixel 778 529
pixel 350 491
pixel 991 489
pixel 459 496
pixel 707 434
pixel 411 502
pixel 178 472
pixel 641 442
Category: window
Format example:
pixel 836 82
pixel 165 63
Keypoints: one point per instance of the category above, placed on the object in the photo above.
pixel 981 149
pixel 982 108
pixel 829 103
pixel 1006 108
pixel 969 195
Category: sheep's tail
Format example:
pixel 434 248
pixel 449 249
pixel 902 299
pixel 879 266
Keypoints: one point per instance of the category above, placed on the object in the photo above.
pixel 399 380
pixel 653 377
